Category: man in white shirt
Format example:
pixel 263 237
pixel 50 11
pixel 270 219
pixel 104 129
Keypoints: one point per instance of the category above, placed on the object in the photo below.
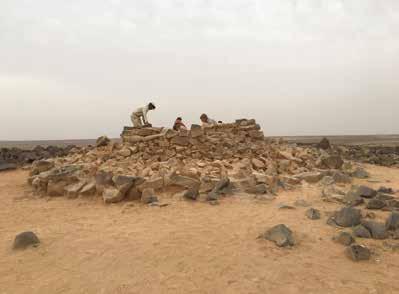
pixel 140 115
pixel 206 121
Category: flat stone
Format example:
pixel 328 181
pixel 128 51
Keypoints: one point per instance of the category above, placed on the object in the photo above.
pixel 347 217
pixel 313 214
pixel 344 238
pixel 281 235
pixel 25 240
pixel 358 252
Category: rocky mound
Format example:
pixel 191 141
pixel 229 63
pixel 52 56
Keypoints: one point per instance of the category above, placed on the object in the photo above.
pixel 202 163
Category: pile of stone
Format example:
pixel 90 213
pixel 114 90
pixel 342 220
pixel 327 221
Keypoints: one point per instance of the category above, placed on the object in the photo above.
pixel 201 163
pixel 11 158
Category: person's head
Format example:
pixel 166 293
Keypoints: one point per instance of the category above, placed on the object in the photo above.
pixel 204 118
pixel 151 106
pixel 179 119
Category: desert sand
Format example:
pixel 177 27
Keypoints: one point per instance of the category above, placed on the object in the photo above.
pixel 185 247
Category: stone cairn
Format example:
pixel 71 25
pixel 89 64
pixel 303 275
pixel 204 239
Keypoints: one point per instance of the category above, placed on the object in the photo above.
pixel 202 162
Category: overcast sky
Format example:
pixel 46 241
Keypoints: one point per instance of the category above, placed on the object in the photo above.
pixel 76 69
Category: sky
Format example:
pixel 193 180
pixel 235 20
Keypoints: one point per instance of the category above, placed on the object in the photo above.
pixel 73 69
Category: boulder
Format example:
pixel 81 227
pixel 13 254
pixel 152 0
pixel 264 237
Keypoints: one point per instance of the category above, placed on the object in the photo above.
pixel 25 240
pixel 347 217
pixel 377 230
pixel 392 222
pixel 361 231
pixel 376 204
pixel 313 214
pixel 281 235
pixel 112 195
pixel 344 238
pixel 102 141
pixel 358 252
pixel 341 178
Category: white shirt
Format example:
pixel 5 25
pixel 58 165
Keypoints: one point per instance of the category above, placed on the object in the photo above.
pixel 142 111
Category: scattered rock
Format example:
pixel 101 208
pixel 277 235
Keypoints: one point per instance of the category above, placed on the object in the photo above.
pixel 313 214
pixel 386 190
pixel 25 240
pixel 7 166
pixel 361 232
pixel 347 217
pixel 392 222
pixel 360 173
pixel 377 230
pixel 366 192
pixel 344 238
pixel 376 204
pixel 358 252
pixel 281 235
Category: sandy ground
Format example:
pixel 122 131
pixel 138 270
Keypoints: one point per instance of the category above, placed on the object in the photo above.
pixel 186 247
